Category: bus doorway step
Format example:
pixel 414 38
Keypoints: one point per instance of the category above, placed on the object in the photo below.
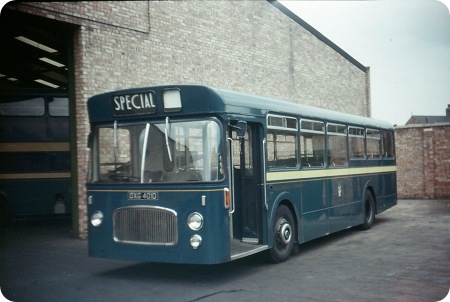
pixel 241 249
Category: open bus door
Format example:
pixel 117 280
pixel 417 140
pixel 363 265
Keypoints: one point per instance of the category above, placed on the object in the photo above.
pixel 246 169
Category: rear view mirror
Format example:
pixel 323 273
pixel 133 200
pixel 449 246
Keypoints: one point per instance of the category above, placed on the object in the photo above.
pixel 241 128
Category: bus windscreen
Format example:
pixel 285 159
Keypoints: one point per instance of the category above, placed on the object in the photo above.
pixel 160 152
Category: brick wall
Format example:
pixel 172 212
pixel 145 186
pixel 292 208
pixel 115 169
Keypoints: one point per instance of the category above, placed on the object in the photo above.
pixel 248 46
pixel 423 161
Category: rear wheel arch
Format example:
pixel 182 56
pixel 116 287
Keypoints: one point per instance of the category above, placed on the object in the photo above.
pixel 369 209
pixel 372 191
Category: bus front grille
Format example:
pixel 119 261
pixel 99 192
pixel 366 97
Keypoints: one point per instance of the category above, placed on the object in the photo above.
pixel 145 225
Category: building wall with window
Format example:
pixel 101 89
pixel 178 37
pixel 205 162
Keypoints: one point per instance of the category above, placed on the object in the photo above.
pixel 255 47
pixel 423 161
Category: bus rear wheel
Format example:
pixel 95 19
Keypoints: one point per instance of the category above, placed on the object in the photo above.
pixel 283 235
pixel 369 211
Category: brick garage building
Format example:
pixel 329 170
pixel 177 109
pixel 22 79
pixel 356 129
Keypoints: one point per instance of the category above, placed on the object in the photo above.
pixel 423 157
pixel 256 47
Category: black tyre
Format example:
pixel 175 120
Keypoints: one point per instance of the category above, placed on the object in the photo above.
pixel 369 211
pixel 283 235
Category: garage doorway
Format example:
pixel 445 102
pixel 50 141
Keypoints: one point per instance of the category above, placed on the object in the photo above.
pixel 37 121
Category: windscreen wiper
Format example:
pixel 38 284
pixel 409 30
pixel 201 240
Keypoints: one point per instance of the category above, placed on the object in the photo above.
pixel 116 145
pixel 167 132
pixel 144 151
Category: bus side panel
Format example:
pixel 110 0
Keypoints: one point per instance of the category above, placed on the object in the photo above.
pixel 389 191
pixel 345 210
pixel 314 209
pixel 34 129
pixel 37 196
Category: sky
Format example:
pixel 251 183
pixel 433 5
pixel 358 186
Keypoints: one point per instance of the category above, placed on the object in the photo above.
pixel 406 44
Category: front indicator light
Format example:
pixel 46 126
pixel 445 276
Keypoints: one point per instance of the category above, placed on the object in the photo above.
pixel 195 221
pixel 97 218
pixel 226 198
pixel 196 241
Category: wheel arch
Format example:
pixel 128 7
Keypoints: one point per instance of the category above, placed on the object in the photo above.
pixel 287 200
pixel 369 187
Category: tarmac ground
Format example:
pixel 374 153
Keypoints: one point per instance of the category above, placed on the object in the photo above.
pixel 404 257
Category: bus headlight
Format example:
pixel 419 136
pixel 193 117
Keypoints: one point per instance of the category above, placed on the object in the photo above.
pixel 196 241
pixel 97 218
pixel 195 221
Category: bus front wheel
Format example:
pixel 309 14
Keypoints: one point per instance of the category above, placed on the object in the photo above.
pixel 283 235
pixel 369 211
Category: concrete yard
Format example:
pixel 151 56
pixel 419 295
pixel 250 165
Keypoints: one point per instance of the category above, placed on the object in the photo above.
pixel 404 257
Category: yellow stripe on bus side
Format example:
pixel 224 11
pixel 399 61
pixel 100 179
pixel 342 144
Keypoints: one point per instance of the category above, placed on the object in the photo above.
pixel 327 173
pixel 22 176
pixel 35 147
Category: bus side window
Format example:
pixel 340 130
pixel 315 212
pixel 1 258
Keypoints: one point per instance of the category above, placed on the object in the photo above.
pixel 373 143
pixel 27 107
pixel 312 144
pixel 337 145
pixel 282 149
pixel 59 107
pixel 282 141
pixel 356 143
pixel 388 144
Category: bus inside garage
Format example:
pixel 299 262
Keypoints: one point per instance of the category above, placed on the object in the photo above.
pixel 35 157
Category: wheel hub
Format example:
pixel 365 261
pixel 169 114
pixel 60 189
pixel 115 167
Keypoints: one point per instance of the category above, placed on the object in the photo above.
pixel 285 232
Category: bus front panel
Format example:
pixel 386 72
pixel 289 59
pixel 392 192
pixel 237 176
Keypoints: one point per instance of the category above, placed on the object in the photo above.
pixel 171 225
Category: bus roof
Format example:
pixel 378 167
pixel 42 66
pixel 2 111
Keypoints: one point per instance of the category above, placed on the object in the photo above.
pixel 218 101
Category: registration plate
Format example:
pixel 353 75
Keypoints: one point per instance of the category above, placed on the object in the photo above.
pixel 142 195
